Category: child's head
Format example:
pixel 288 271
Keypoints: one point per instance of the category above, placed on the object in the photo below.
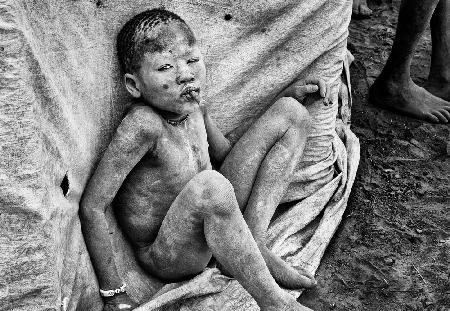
pixel 161 61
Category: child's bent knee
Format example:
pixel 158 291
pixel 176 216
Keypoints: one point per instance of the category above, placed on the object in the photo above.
pixel 293 112
pixel 214 189
pixel 211 179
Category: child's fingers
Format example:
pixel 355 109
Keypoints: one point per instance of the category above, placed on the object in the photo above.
pixel 309 88
pixel 320 83
pixel 327 95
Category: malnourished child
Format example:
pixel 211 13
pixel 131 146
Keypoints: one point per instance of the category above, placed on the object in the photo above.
pixel 175 209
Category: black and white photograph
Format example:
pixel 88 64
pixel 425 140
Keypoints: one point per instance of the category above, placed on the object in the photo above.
pixel 225 155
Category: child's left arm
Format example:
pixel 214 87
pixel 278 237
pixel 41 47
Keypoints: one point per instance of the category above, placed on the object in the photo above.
pixel 219 145
pixel 300 89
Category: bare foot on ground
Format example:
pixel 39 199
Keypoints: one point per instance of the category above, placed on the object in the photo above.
pixel 410 100
pixel 284 274
pixel 295 306
pixel 289 304
pixel 360 9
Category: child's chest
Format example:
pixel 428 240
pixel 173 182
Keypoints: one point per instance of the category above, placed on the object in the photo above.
pixel 183 149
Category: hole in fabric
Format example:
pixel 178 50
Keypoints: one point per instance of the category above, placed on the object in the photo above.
pixel 99 3
pixel 228 17
pixel 2 48
pixel 65 185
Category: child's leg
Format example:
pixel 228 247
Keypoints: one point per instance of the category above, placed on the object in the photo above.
pixel 260 166
pixel 205 219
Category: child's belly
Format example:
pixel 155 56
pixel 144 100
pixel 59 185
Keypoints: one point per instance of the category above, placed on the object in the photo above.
pixel 148 193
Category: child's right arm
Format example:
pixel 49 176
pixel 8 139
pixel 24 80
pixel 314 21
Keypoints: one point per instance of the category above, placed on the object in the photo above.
pixel 135 136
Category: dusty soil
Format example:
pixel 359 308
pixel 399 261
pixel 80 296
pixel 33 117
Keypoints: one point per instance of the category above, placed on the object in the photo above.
pixel 392 251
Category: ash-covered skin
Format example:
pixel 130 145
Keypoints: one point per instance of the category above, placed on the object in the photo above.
pixel 176 211
pixel 165 78
pixel 137 37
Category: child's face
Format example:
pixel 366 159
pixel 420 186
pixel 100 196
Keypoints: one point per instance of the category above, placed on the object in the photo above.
pixel 165 78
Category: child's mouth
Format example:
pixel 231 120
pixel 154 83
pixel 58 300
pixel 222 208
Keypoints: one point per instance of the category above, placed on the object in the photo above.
pixel 191 93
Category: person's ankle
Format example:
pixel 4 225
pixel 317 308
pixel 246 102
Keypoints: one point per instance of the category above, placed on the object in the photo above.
pixel 392 84
pixel 440 81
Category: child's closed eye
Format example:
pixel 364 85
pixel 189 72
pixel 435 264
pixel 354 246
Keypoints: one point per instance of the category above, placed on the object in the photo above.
pixel 193 60
pixel 165 67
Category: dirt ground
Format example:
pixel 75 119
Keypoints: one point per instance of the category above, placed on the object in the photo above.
pixel 392 250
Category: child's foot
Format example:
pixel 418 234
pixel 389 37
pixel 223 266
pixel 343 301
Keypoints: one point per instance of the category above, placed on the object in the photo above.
pixel 360 9
pixel 284 274
pixel 409 99
pixel 290 305
pixel 295 306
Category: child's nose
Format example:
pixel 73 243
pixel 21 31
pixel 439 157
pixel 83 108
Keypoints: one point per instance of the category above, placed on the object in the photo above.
pixel 185 75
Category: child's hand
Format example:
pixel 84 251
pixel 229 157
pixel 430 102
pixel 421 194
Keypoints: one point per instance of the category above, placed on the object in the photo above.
pixel 200 101
pixel 300 89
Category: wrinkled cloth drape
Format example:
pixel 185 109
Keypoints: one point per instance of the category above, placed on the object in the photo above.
pixel 61 98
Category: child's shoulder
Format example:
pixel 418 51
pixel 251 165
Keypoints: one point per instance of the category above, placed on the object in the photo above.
pixel 141 120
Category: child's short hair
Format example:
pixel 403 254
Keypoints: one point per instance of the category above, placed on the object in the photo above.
pixel 133 40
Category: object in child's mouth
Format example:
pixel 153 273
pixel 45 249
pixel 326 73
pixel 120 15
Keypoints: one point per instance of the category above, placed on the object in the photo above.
pixel 194 95
pixel 191 93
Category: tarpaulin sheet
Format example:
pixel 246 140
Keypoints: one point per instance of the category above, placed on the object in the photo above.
pixel 61 98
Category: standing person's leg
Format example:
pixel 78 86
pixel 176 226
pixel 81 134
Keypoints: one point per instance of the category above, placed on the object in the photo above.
pixel 439 78
pixel 205 219
pixel 260 166
pixel 394 88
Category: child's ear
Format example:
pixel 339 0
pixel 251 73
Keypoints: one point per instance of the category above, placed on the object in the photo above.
pixel 132 85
